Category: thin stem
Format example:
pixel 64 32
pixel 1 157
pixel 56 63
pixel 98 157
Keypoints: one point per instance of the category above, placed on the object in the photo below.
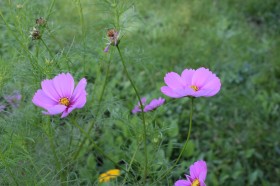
pixel 47 48
pixel 35 66
pixel 98 108
pixel 83 35
pixel 96 146
pixel 130 164
pixel 142 114
pixel 52 145
pixel 185 145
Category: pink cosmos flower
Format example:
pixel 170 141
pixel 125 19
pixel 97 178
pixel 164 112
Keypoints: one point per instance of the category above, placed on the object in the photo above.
pixel 59 96
pixel 198 172
pixel 196 83
pixel 151 106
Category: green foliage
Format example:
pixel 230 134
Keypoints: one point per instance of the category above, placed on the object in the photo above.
pixel 236 131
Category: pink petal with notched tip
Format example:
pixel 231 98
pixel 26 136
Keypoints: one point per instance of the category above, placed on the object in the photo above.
pixel 187 75
pixel 64 85
pixel 169 92
pixel 57 109
pixel 40 99
pixel 198 170
pixel 201 77
pixel 79 94
pixel 49 90
pixel 182 183
pixel 173 80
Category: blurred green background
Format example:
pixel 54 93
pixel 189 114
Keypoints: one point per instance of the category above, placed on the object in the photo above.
pixel 236 131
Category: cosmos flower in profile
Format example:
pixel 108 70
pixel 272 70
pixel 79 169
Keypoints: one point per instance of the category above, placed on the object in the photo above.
pixel 110 174
pixel 148 107
pixel 59 96
pixel 198 172
pixel 113 39
pixel 194 83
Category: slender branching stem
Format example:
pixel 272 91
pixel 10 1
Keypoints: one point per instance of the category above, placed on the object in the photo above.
pixel 142 114
pixel 185 145
pixel 98 108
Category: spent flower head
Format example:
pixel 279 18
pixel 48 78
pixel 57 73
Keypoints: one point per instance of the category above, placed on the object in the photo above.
pixel 41 21
pixel 107 176
pixel 113 38
pixel 35 34
pixel 59 96
pixel 148 107
pixel 194 83
pixel 198 172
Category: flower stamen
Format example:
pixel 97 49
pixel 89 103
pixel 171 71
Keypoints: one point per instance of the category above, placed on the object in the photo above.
pixel 64 101
pixel 195 183
pixel 195 88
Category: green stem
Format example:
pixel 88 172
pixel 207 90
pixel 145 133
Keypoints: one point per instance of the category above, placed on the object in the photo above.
pixel 35 66
pixel 52 145
pixel 83 35
pixel 96 146
pixel 130 164
pixel 98 108
pixel 185 145
pixel 47 48
pixel 142 114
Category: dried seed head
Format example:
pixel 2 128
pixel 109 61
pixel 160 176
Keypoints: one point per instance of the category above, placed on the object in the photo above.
pixel 35 34
pixel 41 21
pixel 112 33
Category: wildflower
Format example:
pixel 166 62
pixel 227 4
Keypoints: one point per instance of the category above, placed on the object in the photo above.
pixel 110 174
pixel 198 172
pixel 196 83
pixel 59 96
pixel 35 34
pixel 13 99
pixel 41 21
pixel 113 39
pixel 2 107
pixel 151 106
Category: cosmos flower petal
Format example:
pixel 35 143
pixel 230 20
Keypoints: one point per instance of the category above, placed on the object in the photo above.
pixel 66 112
pixel 136 109
pixel 187 75
pixel 107 48
pixel 64 85
pixel 198 170
pixel 49 89
pixel 201 76
pixel 57 109
pixel 151 106
pixel 40 99
pixel 182 183
pixel 154 104
pixel 170 92
pixel 201 183
pixel 79 93
pixel 173 80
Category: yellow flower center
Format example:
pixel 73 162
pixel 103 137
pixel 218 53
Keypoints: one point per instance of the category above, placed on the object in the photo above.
pixel 195 88
pixel 195 183
pixel 107 176
pixel 64 101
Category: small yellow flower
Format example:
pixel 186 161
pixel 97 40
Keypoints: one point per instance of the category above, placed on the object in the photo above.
pixel 107 176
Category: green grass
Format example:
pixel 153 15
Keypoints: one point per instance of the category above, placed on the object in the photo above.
pixel 236 131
